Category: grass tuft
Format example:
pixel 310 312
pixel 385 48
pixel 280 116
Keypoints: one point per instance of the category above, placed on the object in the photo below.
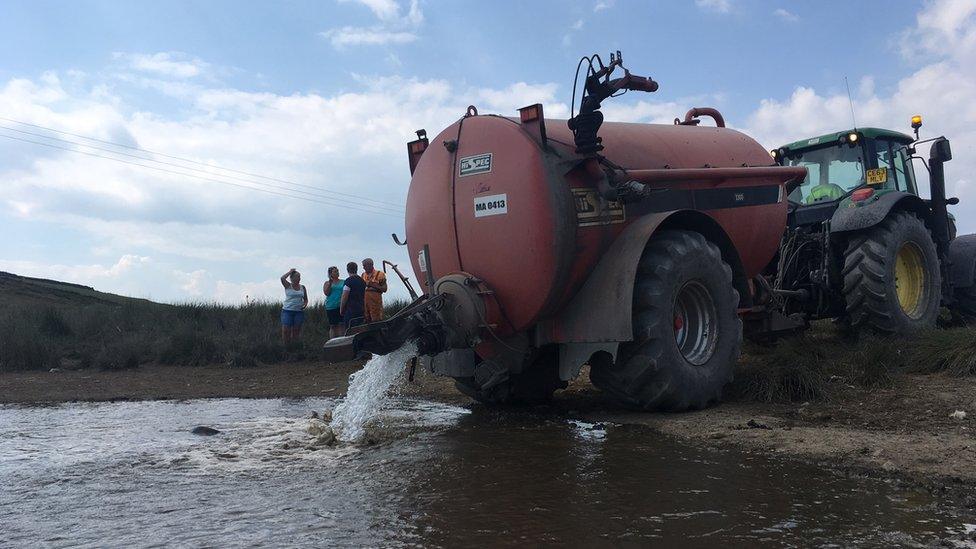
pixel 790 370
pixel 393 306
pixel 952 351
pixel 54 324
pixel 190 346
pixel 871 363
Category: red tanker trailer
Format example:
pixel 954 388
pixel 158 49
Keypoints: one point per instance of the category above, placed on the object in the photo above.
pixel 542 245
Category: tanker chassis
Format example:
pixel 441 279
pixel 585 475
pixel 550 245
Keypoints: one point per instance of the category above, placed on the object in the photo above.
pixel 543 245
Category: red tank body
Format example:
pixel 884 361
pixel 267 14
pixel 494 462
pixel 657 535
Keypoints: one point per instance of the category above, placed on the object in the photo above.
pixel 491 199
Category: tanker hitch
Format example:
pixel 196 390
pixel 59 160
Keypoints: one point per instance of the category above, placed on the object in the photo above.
pixel 417 322
pixel 451 317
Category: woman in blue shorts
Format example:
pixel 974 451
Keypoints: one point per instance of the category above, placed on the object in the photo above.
pixel 333 296
pixel 293 310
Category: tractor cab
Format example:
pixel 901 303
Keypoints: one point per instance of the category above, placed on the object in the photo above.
pixel 840 163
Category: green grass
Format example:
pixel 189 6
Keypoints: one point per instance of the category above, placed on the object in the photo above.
pixel 811 365
pixel 952 351
pixel 123 336
pixel 393 306
pixel 47 324
pixel 790 370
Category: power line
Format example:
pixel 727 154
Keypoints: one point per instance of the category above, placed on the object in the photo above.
pixel 388 214
pixel 324 196
pixel 189 160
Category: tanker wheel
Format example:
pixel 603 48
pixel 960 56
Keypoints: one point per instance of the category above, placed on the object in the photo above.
pixel 892 282
pixel 687 332
pixel 536 383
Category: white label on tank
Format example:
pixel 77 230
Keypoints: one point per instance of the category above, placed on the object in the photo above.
pixel 496 204
pixel 470 165
pixel 422 261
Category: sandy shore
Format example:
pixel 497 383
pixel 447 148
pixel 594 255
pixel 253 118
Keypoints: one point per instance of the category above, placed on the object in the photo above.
pixel 903 432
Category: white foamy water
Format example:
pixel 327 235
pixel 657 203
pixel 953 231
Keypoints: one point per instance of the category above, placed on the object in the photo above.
pixel 367 393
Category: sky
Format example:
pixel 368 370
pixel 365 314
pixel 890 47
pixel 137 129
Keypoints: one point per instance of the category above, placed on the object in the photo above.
pixel 277 131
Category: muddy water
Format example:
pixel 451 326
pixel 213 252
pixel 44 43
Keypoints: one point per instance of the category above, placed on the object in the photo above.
pixel 131 474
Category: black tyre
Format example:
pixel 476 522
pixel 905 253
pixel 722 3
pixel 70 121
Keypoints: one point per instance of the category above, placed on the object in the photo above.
pixel 892 282
pixel 965 303
pixel 687 332
pixel 536 383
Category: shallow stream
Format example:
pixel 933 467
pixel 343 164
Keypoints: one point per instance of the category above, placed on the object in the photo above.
pixel 131 474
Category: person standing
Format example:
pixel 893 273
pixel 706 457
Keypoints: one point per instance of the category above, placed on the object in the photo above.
pixel 333 296
pixel 293 309
pixel 352 305
pixel 375 287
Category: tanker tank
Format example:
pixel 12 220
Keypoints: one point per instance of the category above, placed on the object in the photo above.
pixel 543 245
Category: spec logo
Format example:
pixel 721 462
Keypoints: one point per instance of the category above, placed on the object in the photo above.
pixel 471 165
pixel 496 204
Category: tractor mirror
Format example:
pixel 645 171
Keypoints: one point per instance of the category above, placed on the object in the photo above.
pixel 941 151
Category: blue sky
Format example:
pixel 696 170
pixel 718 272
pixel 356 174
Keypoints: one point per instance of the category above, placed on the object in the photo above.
pixel 692 49
pixel 326 93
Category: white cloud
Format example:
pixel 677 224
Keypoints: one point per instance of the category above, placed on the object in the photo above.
pixel 942 28
pixel 385 10
pixel 655 112
pixel 200 233
pixel 169 64
pixel 575 27
pixel 718 6
pixel 941 91
pixel 87 274
pixel 392 28
pixel 603 5
pixel 786 15
pixel 361 36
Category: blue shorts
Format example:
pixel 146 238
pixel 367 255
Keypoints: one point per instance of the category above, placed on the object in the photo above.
pixel 292 318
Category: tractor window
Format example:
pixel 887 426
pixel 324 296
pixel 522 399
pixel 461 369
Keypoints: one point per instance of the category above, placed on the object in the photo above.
pixel 893 163
pixel 832 172
pixel 903 167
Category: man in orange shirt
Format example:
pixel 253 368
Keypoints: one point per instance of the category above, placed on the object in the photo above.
pixel 375 287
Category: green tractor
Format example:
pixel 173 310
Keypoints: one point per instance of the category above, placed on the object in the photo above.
pixel 862 246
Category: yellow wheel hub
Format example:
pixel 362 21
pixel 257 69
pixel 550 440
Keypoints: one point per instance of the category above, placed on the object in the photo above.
pixel 910 279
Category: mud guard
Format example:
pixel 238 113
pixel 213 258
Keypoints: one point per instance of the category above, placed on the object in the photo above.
pixel 596 313
pixel 962 257
pixel 572 356
pixel 599 317
pixel 857 218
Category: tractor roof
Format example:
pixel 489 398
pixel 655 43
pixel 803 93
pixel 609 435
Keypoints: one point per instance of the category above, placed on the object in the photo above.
pixel 868 133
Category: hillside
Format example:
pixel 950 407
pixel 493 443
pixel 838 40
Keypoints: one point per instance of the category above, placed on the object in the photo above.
pixel 48 324
pixel 19 291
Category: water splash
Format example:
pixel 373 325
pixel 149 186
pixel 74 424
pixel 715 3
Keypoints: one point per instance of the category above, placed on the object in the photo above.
pixel 367 393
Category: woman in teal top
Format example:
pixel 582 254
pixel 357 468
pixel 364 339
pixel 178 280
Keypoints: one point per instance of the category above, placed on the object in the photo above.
pixel 293 309
pixel 333 296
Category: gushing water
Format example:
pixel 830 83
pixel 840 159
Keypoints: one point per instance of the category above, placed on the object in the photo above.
pixel 367 393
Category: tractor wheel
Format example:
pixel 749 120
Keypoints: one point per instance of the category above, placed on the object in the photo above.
pixel 687 332
pixel 892 282
pixel 965 304
pixel 536 383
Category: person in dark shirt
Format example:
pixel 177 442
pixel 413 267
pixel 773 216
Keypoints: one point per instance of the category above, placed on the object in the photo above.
pixel 352 307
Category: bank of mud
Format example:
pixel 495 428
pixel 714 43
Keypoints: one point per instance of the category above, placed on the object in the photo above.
pixel 903 431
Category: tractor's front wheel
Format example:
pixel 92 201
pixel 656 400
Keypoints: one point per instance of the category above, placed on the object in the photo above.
pixel 892 282
pixel 687 333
